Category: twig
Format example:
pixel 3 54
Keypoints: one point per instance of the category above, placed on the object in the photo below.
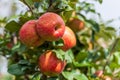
pixel 28 7
pixel 50 3
pixel 26 77
pixel 44 77
pixel 110 53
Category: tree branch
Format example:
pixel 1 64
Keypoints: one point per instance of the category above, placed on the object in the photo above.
pixel 28 7
pixel 110 53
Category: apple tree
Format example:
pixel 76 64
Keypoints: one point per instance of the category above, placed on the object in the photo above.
pixel 57 40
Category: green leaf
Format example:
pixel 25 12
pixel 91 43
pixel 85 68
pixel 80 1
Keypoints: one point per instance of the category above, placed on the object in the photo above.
pixel 23 62
pixel 59 53
pixel 36 76
pixel 117 57
pixel 67 15
pixel 15 69
pixel 82 64
pixel 81 56
pixel 95 25
pixel 81 77
pixel 12 26
pixel 74 74
pixel 29 2
pixel 100 1
pixel 17 46
pixel 69 57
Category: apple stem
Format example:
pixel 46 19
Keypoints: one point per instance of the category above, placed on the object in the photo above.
pixel 110 53
pixel 29 7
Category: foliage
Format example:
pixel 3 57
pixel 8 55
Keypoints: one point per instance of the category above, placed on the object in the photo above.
pixel 90 54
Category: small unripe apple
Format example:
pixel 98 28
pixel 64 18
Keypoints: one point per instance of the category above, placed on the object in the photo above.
pixel 107 78
pixel 50 65
pixel 76 25
pixel 69 39
pixel 28 34
pixel 50 26
pixel 99 73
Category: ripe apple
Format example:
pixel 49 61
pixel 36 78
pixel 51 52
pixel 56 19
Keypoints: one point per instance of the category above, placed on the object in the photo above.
pixel 99 73
pixel 50 65
pixel 50 26
pixel 76 25
pixel 69 39
pixel 28 34
pixel 9 45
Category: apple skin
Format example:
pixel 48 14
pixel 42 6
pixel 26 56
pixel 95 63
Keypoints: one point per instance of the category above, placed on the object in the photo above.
pixel 76 25
pixel 99 73
pixel 50 65
pixel 69 39
pixel 28 34
pixel 9 45
pixel 50 26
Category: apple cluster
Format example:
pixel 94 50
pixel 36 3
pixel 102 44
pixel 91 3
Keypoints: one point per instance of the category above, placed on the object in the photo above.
pixel 49 27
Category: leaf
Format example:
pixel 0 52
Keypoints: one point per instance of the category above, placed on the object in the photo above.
pixel 95 25
pixel 36 76
pixel 74 74
pixel 83 64
pixel 59 53
pixel 29 2
pixel 69 57
pixel 12 26
pixel 67 15
pixel 81 56
pixel 15 69
pixel 117 57
pixel 100 1
pixel 23 62
pixel 81 77
pixel 17 46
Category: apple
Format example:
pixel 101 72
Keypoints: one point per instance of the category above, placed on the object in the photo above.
pixel 69 39
pixel 76 25
pixel 107 78
pixel 49 64
pixel 9 45
pixel 28 34
pixel 99 73
pixel 50 26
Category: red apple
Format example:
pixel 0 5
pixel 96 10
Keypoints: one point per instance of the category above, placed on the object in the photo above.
pixel 28 34
pixel 50 65
pixel 76 25
pixel 69 39
pixel 99 73
pixel 9 45
pixel 50 26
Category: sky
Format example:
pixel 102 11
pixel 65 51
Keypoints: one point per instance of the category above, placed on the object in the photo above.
pixel 109 9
